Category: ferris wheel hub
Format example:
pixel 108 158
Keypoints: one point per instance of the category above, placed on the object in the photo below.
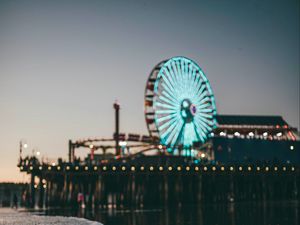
pixel 188 110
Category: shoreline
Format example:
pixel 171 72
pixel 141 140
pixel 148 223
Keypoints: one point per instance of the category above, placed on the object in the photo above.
pixel 9 216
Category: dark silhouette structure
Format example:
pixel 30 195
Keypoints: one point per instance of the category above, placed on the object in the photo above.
pixel 246 158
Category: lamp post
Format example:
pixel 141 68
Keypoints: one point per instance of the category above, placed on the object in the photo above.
pixel 117 132
pixel 23 145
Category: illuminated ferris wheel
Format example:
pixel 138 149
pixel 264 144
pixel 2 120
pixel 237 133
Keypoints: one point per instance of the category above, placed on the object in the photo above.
pixel 179 103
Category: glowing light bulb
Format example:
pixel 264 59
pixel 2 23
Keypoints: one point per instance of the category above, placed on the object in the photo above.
pixel 185 104
pixel 237 134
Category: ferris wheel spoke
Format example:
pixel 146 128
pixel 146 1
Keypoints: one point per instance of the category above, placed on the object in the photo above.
pixel 175 72
pixel 198 81
pixel 167 100
pixel 205 120
pixel 180 75
pixel 205 115
pixel 199 137
pixel 203 106
pixel 169 85
pixel 174 133
pixel 165 111
pixel 167 117
pixel 202 95
pixel 196 87
pixel 167 89
pixel 206 110
pixel 200 91
pixel 170 80
pixel 190 81
pixel 171 97
pixel 170 91
pixel 178 130
pixel 171 76
pixel 199 134
pixel 204 125
pixel 201 131
pixel 187 71
pixel 191 88
pixel 183 72
pixel 167 123
pixel 192 74
pixel 172 72
pixel 202 101
pixel 165 106
pixel 167 131
pixel 194 80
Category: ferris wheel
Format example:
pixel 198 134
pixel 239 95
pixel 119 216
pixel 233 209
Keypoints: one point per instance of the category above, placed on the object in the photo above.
pixel 179 103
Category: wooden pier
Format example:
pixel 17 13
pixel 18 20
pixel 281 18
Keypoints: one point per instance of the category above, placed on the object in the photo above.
pixel 121 185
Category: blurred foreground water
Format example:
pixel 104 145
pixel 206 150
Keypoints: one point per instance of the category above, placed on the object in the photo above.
pixel 250 213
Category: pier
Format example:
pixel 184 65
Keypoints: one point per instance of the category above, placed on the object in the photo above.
pixel 133 184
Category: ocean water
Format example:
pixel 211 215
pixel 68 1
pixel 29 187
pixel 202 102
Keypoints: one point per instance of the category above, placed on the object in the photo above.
pixel 245 213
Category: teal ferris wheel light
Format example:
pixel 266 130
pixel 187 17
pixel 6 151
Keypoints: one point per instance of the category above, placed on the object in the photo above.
pixel 183 103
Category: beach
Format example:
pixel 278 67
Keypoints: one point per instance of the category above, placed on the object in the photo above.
pixel 13 217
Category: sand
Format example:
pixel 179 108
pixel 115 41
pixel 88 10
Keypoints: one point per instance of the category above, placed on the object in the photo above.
pixel 13 217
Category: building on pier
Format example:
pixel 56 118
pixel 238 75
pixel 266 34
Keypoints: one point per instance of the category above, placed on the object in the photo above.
pixel 255 139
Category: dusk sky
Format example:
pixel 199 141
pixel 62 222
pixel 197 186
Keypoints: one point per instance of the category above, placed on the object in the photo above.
pixel 64 63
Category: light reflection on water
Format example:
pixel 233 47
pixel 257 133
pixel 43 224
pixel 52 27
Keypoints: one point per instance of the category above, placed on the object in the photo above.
pixel 269 213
